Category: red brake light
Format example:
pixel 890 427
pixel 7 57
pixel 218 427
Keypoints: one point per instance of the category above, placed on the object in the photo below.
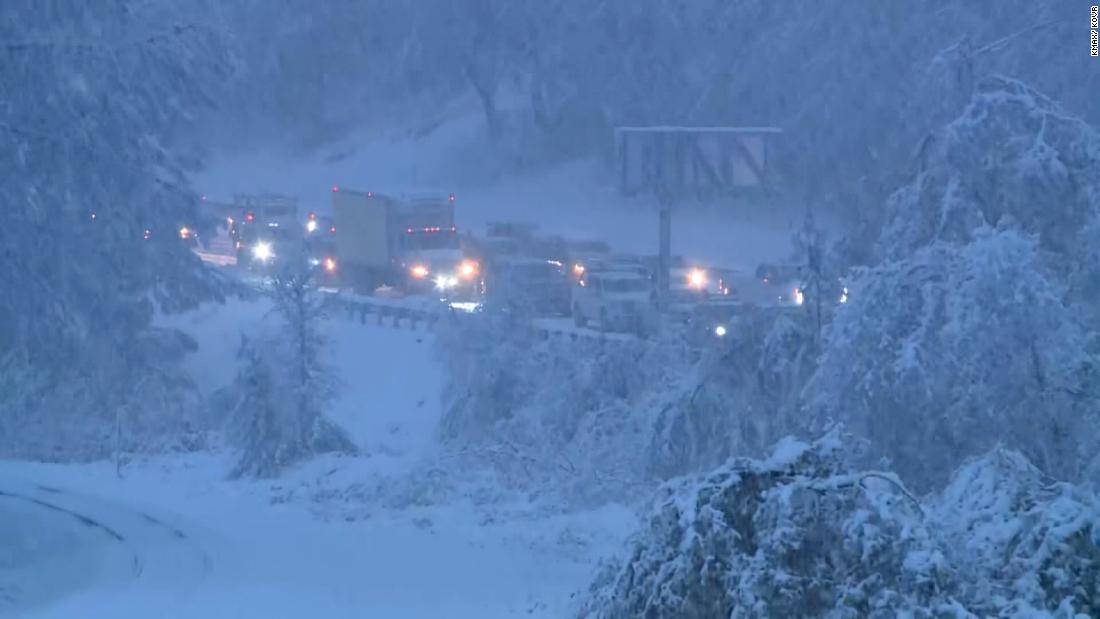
pixel 335 188
pixel 312 216
pixel 250 216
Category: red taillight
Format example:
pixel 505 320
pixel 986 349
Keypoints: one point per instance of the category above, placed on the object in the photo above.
pixel 250 216
pixel 332 230
pixel 335 188
pixel 408 230
pixel 312 216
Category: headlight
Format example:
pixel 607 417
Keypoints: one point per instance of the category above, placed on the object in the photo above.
pixel 262 251
pixel 798 298
pixel 419 271
pixel 467 269
pixel 697 278
pixel 444 282
pixel 313 262
pixel 311 225
pixel 330 264
pixel 720 330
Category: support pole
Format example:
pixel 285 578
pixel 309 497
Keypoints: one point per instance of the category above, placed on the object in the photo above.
pixel 664 244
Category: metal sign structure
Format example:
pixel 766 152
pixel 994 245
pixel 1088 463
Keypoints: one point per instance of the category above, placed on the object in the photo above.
pixel 676 163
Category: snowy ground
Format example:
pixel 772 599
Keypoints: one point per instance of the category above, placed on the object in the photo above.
pixel 339 537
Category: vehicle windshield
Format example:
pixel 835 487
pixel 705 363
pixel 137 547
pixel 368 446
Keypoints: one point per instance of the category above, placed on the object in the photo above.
pixel 421 241
pixel 542 271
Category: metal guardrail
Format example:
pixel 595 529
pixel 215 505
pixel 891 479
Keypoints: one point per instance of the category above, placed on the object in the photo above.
pixel 387 311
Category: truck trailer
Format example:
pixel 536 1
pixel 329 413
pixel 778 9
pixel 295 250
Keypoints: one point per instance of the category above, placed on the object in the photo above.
pixel 409 243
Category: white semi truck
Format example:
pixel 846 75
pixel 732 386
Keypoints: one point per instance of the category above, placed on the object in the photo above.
pixel 407 242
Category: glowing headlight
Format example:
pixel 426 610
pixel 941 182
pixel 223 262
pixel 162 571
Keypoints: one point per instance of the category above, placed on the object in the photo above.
pixel 330 264
pixel 262 251
pixel 468 268
pixel 444 282
pixel 313 262
pixel 844 296
pixel 419 271
pixel 311 225
pixel 720 330
pixel 697 278
pixel 798 298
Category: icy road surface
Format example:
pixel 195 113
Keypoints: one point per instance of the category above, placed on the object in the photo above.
pixel 173 538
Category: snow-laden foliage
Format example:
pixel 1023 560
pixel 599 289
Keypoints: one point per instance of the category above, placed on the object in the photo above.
pixel 796 535
pixel 1012 154
pixel 95 95
pixel 575 416
pixel 285 384
pixel 742 396
pixel 1029 544
pixel 941 355
pixel 801 534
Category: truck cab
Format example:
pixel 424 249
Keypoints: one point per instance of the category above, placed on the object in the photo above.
pixel 618 300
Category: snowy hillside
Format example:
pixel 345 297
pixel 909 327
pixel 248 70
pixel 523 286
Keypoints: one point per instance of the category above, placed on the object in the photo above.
pixel 311 543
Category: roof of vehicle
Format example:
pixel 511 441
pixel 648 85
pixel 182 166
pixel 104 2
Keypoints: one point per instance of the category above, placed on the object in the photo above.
pixel 618 276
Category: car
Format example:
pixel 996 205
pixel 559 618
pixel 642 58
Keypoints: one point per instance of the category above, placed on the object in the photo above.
pixel 618 300
pixel 530 285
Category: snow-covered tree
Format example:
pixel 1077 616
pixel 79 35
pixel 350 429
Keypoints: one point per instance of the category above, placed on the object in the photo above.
pixel 941 355
pixel 795 535
pixel 804 534
pixel 1030 545
pixel 285 383
pixel 1013 153
pixel 94 193
pixel 742 396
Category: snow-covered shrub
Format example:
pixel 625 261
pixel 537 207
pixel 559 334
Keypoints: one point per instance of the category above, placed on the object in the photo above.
pixel 285 384
pixel 941 355
pixel 577 413
pixel 1028 544
pixel 740 399
pixel 795 535
pixel 802 534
